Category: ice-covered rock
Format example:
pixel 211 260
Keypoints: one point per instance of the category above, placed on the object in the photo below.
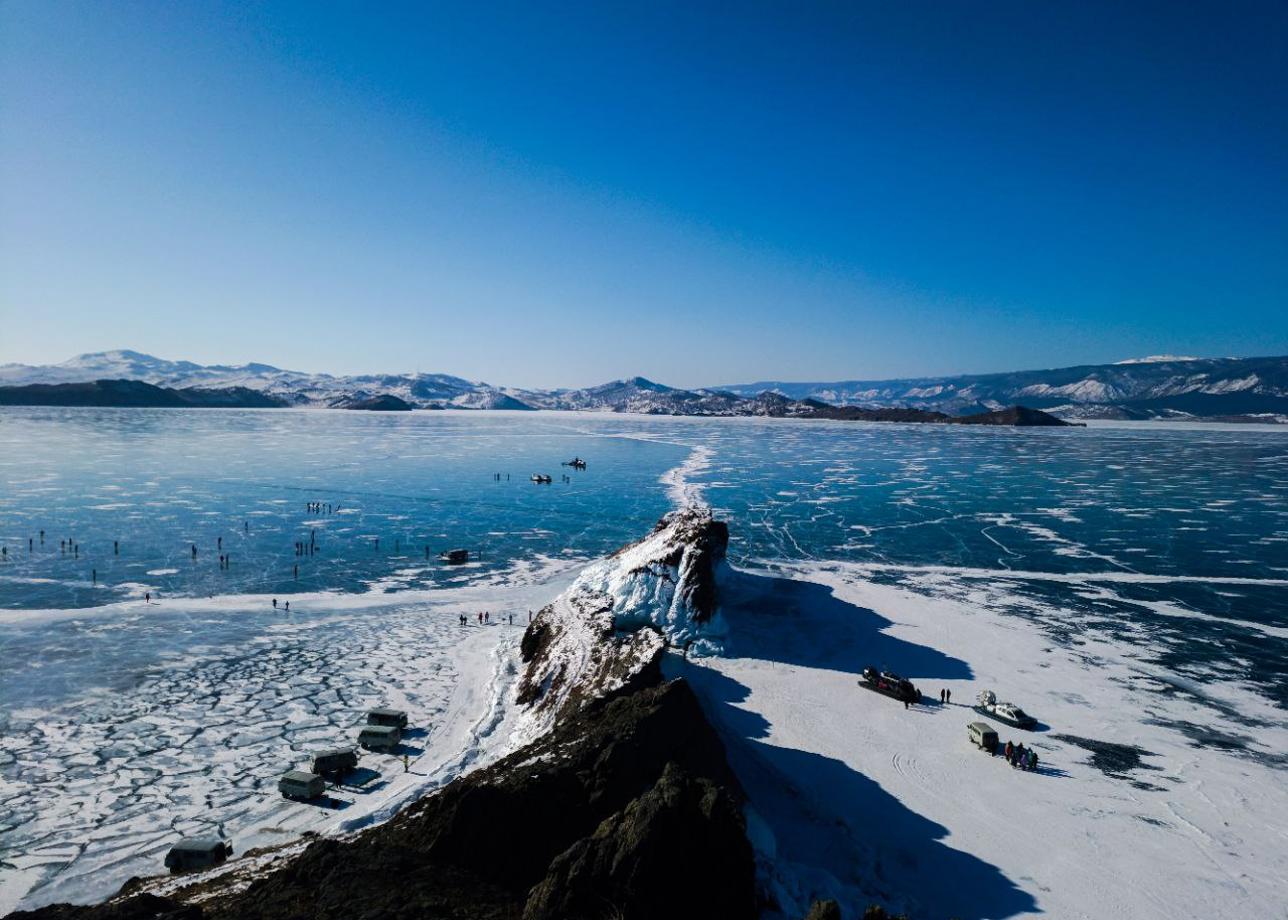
pixel 607 631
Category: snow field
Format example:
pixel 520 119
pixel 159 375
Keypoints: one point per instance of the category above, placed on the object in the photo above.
pixel 854 797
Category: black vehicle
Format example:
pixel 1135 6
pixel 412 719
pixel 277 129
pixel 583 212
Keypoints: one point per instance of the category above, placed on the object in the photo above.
pixel 890 684
pixel 335 764
pixel 576 463
pixel 197 853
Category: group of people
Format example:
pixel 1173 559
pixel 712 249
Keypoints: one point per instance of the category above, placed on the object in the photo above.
pixel 1020 757
pixel 485 618
pixel 945 697
pixel 319 508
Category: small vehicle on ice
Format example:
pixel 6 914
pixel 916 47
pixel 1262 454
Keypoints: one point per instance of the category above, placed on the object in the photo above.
pixel 1009 713
pixel 197 853
pixel 983 736
pixel 383 738
pixel 576 463
pixel 541 479
pixel 383 716
pixel 890 684
pixel 301 786
pixel 335 764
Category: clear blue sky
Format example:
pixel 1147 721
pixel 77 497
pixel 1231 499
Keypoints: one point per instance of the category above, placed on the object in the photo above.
pixel 698 193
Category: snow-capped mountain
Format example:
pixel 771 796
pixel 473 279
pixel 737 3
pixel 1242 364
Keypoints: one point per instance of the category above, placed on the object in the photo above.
pixel 295 387
pixel 1162 386
pixel 1156 387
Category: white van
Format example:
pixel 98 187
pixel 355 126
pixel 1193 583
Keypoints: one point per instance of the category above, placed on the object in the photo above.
pixel 983 736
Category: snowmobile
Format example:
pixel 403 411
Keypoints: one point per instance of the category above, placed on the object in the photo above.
pixel 987 705
pixel 576 463
pixel 890 684
pixel 540 479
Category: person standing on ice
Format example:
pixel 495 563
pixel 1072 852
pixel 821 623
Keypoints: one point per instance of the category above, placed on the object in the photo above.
pixel 948 696
pixel 274 603
pixel 1009 751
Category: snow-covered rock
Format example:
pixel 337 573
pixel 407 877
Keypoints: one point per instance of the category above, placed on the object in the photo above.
pixel 607 631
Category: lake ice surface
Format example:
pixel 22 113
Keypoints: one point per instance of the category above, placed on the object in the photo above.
pixel 1130 581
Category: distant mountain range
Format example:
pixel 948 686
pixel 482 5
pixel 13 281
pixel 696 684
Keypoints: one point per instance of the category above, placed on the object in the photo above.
pixel 1165 386
pixel 1160 387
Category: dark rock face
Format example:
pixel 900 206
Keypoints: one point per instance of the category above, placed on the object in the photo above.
pixel 682 828
pixel 382 403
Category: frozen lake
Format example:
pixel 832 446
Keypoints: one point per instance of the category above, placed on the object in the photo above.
pixel 1152 559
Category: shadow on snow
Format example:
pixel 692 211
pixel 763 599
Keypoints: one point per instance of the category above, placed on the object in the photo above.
pixel 845 836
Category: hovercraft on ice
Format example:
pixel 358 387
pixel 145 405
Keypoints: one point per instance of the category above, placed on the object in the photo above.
pixel 890 684
pixel 987 705
pixel 541 479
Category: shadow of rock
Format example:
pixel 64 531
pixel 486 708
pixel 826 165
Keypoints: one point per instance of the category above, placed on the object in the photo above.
pixel 826 826
pixel 842 832
pixel 805 624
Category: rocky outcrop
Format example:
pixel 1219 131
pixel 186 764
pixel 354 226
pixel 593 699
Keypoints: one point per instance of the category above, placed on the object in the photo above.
pixel 637 859
pixel 607 632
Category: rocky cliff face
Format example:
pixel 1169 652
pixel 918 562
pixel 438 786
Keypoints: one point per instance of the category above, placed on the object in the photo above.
pixel 607 632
